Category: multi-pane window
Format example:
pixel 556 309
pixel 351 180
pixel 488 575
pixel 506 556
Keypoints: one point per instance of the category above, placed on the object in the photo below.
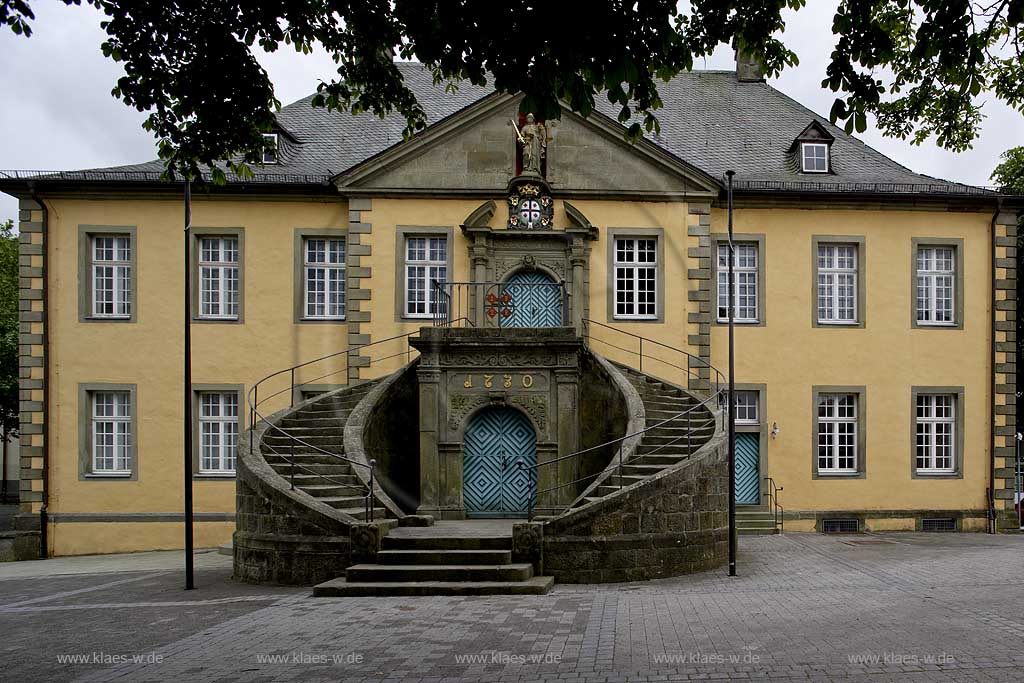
pixel 936 427
pixel 837 283
pixel 936 290
pixel 324 264
pixel 111 276
pixel 636 277
pixel 837 433
pixel 745 278
pixel 218 277
pixel 111 432
pixel 814 157
pixel 218 431
pixel 426 262
pixel 746 406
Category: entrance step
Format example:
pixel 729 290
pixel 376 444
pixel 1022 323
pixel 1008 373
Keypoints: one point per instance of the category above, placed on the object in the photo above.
pixel 379 573
pixel 537 585
pixel 447 543
pixel 755 523
pixel 444 557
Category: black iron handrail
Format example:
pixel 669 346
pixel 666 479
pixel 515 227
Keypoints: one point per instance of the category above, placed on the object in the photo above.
pixel 483 303
pixel 713 399
pixel 772 494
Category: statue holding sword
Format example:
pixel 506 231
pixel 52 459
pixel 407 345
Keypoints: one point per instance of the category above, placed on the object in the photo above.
pixel 534 138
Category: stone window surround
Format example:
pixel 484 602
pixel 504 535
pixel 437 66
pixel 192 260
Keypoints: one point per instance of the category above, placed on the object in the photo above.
pixel 299 281
pixel 761 428
pixel 859 242
pixel 85 235
pixel 762 313
pixel 958 280
pixel 659 288
pixel 958 441
pixel 85 392
pixel 401 233
pixel 861 393
pixel 197 234
pixel 197 389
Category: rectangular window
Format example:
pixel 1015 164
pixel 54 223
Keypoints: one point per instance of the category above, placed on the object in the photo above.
pixel 218 432
pixel 814 157
pixel 636 278
pixel 936 285
pixel 837 283
pixel 270 148
pixel 111 276
pixel 745 282
pixel 837 433
pixel 747 411
pixel 426 262
pixel 218 278
pixel 324 278
pixel 936 433
pixel 111 432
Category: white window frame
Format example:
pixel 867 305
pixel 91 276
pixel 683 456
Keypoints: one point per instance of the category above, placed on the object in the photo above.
pixel 814 147
pixel 830 426
pixel 325 272
pixel 218 421
pixel 118 426
pixel 747 407
pixel 745 274
pixel 830 277
pixel 426 269
pixel 928 426
pixel 120 275
pixel 929 277
pixel 267 155
pixel 219 271
pixel 630 270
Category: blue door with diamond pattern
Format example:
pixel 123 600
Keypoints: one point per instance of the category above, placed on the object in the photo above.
pixel 748 469
pixel 536 300
pixel 494 485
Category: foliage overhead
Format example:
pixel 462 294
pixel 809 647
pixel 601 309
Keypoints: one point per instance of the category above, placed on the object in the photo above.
pixel 918 66
pixel 8 329
pixel 1009 174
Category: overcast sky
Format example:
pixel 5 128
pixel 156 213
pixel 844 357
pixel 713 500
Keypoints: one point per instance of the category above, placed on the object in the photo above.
pixel 56 111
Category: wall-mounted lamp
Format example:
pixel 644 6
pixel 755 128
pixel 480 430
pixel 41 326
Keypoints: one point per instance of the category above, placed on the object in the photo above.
pixel 775 429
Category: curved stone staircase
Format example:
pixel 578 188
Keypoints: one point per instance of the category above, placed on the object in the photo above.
pixel 301 435
pixel 302 510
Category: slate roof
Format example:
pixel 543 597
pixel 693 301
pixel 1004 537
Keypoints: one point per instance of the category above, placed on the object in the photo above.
pixel 709 120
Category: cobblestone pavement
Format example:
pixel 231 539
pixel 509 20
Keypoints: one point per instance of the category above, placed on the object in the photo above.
pixel 894 607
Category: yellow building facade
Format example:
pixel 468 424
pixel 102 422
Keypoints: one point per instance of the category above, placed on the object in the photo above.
pixel 862 410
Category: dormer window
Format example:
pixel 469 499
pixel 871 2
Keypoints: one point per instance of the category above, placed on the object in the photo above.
pixel 270 148
pixel 814 157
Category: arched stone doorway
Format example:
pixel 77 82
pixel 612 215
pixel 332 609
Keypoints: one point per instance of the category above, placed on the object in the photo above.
pixel 536 300
pixel 495 442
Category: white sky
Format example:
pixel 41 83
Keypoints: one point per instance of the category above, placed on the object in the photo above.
pixel 56 111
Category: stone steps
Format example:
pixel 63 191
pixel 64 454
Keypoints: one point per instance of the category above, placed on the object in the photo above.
pixel 537 585
pixel 397 573
pixel 444 557
pixel 755 523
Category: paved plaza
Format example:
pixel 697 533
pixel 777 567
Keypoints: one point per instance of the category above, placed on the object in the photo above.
pixel 899 607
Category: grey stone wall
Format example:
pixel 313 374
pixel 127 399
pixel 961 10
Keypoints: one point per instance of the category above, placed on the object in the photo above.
pixel 390 437
pixel 675 523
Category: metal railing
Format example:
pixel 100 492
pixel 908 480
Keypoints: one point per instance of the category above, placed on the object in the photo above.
pixel 293 387
pixel 698 417
pixel 500 304
pixel 772 494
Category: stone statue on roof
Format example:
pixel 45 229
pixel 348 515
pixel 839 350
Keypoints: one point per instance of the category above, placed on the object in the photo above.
pixel 533 136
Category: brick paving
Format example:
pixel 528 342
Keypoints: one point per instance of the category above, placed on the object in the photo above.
pixel 894 607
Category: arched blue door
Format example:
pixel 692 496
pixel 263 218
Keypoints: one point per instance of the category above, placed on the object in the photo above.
pixel 494 485
pixel 536 300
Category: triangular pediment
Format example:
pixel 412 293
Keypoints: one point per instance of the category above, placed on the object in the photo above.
pixel 473 152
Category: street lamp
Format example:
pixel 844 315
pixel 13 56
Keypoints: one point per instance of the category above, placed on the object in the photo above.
pixel 731 403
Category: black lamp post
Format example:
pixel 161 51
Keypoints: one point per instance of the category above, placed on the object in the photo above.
pixel 189 559
pixel 731 404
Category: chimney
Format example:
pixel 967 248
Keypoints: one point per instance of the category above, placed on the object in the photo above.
pixel 749 68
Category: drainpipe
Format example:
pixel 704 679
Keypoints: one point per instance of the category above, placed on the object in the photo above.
pixel 992 381
pixel 43 522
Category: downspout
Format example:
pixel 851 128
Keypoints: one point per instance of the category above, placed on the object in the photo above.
pixel 992 380
pixel 43 522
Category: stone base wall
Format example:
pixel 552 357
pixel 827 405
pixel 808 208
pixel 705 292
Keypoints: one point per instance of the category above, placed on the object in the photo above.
pixel 675 523
pixel 291 560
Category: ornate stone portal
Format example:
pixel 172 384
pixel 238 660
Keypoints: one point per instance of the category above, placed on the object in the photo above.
pixel 463 370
